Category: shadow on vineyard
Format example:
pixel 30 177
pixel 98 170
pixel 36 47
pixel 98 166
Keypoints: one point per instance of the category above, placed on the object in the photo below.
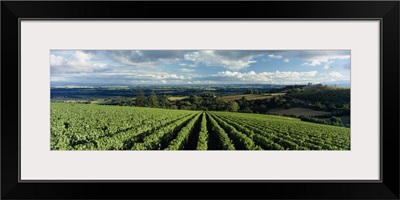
pixel 165 141
pixel 213 140
pixel 128 144
pixel 194 136
pixel 77 142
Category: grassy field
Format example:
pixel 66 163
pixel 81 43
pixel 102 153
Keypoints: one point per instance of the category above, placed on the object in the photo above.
pixel 298 112
pixel 177 98
pixel 98 101
pixel 250 96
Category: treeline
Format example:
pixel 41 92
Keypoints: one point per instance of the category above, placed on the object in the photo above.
pixel 285 89
pixel 204 102
pixel 331 121
pixel 321 119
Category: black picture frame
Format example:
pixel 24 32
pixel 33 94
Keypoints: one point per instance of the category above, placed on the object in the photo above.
pixel 386 11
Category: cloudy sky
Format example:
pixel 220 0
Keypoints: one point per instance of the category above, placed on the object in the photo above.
pixel 138 67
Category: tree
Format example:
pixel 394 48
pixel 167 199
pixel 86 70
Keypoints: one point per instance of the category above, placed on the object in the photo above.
pixel 249 91
pixel 164 102
pixel 275 99
pixel 153 101
pixel 336 120
pixel 220 104
pixel 196 101
pixel 319 105
pixel 140 99
pixel 233 106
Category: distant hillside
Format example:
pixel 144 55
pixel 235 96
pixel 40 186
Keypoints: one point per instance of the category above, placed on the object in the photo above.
pixel 322 96
pixel 322 87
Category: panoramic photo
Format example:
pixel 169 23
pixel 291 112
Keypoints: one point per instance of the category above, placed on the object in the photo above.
pixel 200 100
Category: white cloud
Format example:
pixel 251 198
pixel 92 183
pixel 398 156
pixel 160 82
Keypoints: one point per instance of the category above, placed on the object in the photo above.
pixel 278 57
pixel 136 63
pixel 313 63
pixel 77 62
pixel 145 58
pixel 328 64
pixel 204 82
pixel 186 70
pixel 336 74
pixel 311 57
pixel 333 76
pixel 277 77
pixel 324 59
pixel 211 58
pixel 56 60
pixel 169 76
pixel 274 56
pixel 193 56
pixel 121 77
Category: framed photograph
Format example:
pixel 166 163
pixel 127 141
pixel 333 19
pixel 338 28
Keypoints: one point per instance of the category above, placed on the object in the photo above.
pixel 288 96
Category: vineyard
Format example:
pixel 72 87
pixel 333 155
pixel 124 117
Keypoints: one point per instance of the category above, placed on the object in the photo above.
pixel 100 127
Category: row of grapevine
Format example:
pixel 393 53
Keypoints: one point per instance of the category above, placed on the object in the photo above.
pixel 162 137
pixel 225 143
pixel 258 139
pixel 182 138
pixel 203 135
pixel 241 141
